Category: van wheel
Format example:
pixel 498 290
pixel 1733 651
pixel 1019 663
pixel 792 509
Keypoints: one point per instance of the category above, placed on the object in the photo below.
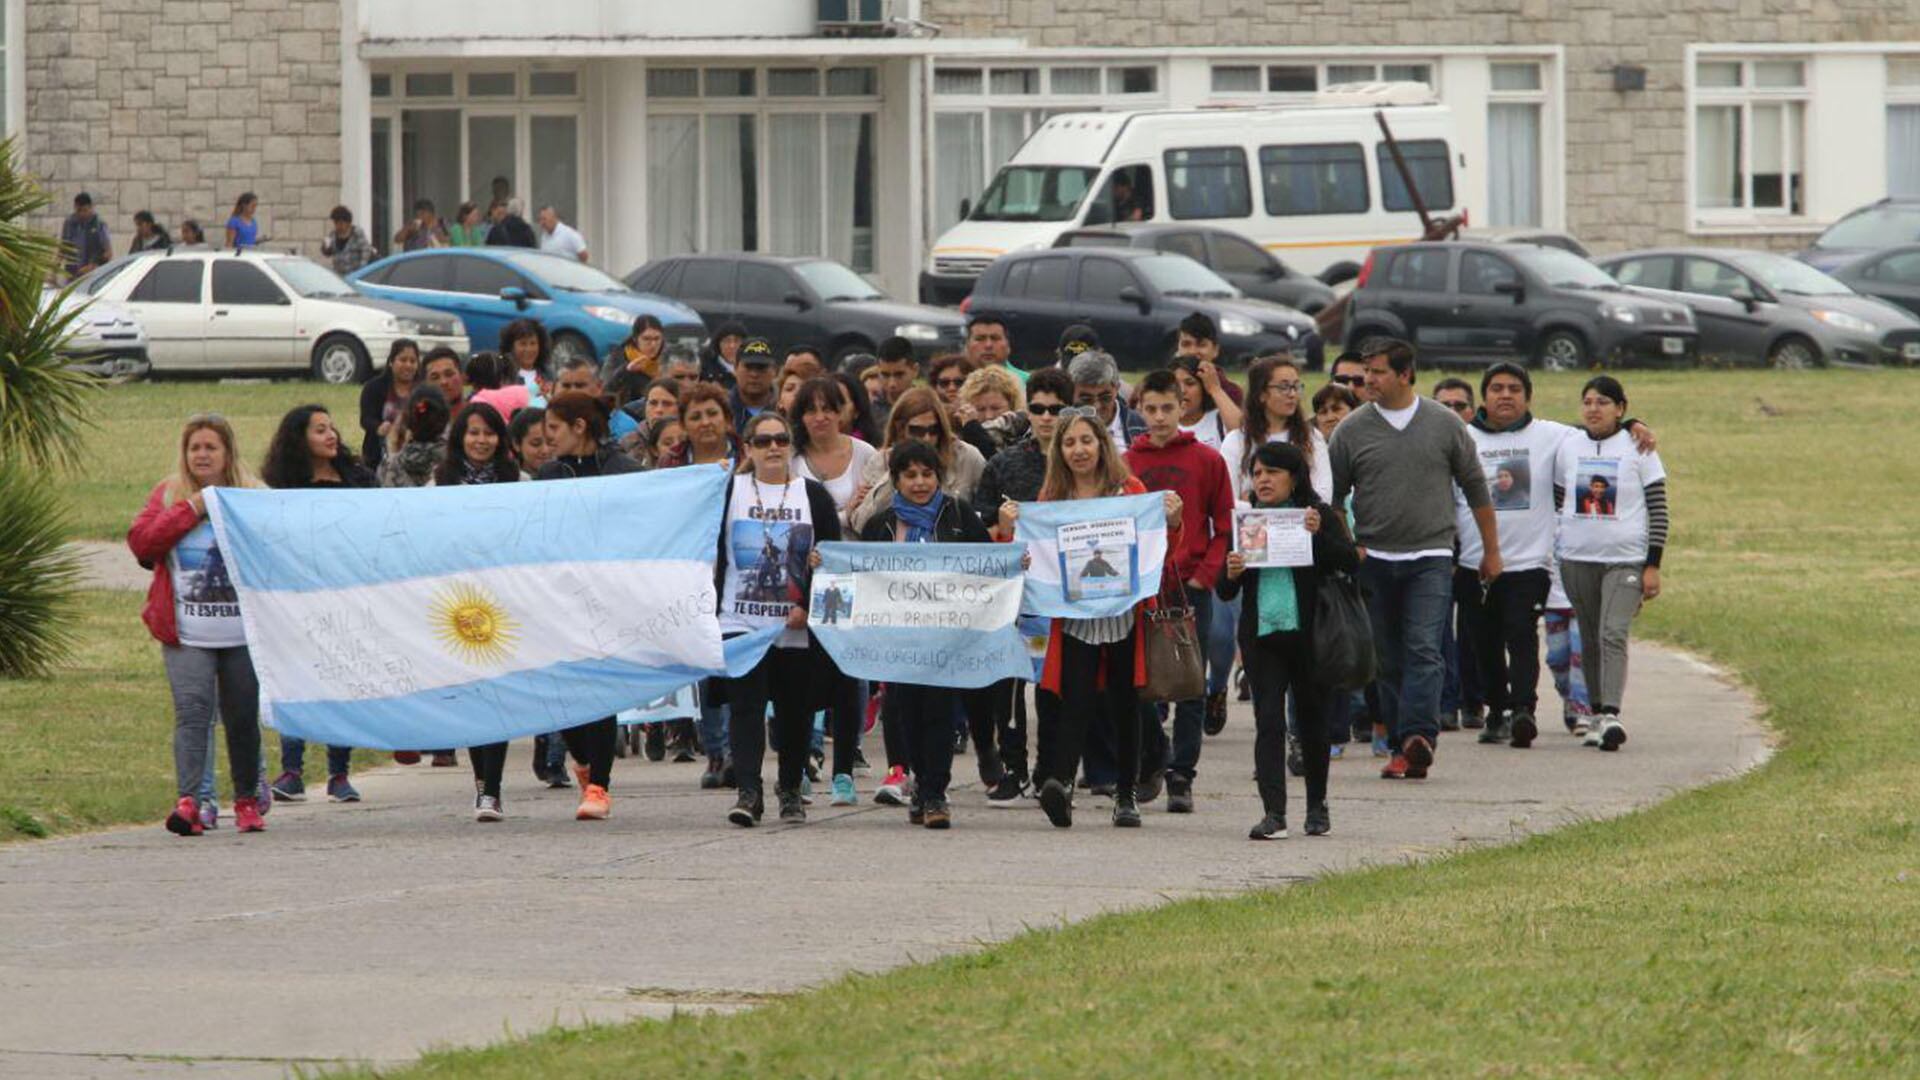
pixel 1339 272
pixel 339 359
pixel 1793 353
pixel 1562 350
pixel 568 346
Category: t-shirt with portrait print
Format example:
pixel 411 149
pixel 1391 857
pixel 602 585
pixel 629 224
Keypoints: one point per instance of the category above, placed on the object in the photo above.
pixel 1604 516
pixel 769 535
pixel 206 606
pixel 1519 466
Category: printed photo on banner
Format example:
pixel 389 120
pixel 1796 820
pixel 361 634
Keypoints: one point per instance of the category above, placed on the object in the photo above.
pixel 1597 488
pixel 682 704
pixel 1099 558
pixel 1276 537
pixel 771 556
pixel 832 599
pixel 1509 478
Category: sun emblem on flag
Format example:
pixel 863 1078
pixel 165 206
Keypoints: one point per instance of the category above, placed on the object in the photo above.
pixel 473 626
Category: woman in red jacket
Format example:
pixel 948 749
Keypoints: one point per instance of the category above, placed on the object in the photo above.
pixel 194 612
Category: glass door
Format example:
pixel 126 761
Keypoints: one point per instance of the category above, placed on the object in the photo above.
pixel 493 161
pixel 554 160
pixel 382 226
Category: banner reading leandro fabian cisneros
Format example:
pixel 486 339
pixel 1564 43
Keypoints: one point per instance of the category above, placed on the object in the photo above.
pixel 932 614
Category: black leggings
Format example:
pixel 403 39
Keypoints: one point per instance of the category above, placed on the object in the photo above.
pixel 592 744
pixel 843 723
pixel 489 762
pixel 1275 664
pixel 924 717
pixel 785 677
pixel 1081 696
pixel 996 719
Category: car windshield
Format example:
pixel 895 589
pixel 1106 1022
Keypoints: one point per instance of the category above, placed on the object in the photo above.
pixel 1034 193
pixel 566 275
pixel 835 282
pixel 1784 275
pixel 1177 275
pixel 309 279
pixel 1882 226
pixel 1564 269
pixel 94 282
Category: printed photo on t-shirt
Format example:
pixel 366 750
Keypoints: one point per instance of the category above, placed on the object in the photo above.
pixel 1596 492
pixel 1509 478
pixel 770 556
pixel 204 581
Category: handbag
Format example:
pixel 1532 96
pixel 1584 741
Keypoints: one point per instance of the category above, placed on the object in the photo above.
pixel 1343 657
pixel 1176 666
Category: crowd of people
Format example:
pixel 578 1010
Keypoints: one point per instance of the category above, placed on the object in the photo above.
pixel 1463 523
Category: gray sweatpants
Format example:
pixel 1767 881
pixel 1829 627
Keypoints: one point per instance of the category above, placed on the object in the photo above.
pixel 1606 597
pixel 200 678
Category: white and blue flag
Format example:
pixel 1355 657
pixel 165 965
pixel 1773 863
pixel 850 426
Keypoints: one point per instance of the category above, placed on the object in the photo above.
pixel 1092 557
pixel 929 614
pixel 458 616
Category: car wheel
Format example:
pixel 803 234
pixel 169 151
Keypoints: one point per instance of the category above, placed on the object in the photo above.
pixel 1562 350
pixel 1793 354
pixel 339 360
pixel 567 346
pixel 1339 272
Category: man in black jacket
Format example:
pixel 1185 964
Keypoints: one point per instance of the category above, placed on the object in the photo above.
pixel 509 228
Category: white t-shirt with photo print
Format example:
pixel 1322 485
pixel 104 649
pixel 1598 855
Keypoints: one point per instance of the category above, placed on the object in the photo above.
pixel 769 533
pixel 1604 518
pixel 1520 474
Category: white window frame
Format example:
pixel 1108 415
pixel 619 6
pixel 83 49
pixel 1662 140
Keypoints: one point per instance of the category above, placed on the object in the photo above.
pixel 1320 67
pixel 13 95
pixel 1748 218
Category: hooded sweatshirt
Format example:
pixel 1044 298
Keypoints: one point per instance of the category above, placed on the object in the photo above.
pixel 1198 474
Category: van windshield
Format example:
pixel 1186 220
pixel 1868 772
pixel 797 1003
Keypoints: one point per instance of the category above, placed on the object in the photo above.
pixel 1034 193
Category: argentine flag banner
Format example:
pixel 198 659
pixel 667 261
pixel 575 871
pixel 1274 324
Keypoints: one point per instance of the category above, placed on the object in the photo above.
pixel 458 616
pixel 1092 557
pixel 931 614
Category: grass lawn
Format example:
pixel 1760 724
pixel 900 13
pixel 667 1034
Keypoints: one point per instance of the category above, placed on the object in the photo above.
pixel 1761 927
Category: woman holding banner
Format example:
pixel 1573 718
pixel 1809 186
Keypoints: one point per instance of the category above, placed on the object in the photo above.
pixel 1085 655
pixel 1276 637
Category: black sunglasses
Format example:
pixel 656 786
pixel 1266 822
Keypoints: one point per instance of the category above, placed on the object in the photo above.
pixel 762 442
pixel 1350 380
pixel 1038 409
pixel 923 431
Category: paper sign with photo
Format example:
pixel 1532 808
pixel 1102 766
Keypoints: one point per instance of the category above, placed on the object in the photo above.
pixel 1272 537
pixel 1098 558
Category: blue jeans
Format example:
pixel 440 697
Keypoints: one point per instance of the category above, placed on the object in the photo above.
pixel 293 756
pixel 1409 604
pixel 1221 643
pixel 713 730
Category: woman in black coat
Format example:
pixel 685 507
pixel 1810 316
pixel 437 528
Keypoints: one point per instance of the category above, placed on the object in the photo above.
pixel 1276 639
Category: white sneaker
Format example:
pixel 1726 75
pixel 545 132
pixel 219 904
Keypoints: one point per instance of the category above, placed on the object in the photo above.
pixel 487 808
pixel 1592 733
pixel 1612 734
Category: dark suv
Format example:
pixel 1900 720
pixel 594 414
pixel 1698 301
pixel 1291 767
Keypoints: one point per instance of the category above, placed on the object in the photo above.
pixel 1133 298
pixel 1249 267
pixel 1477 303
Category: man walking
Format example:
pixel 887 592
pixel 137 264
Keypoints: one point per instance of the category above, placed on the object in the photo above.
pixel 1399 456
pixel 84 242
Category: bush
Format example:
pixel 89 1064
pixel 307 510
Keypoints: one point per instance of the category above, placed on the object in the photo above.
pixel 38 575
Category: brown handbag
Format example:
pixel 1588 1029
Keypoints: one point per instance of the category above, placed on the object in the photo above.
pixel 1176 665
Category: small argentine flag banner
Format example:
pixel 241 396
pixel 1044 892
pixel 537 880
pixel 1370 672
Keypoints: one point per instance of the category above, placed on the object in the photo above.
pixel 931 614
pixel 458 616
pixel 1092 557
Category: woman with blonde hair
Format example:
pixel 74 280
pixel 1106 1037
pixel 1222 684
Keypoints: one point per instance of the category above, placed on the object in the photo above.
pixel 193 611
pixel 918 415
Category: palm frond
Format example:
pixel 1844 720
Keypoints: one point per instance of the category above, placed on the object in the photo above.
pixel 45 408
pixel 39 575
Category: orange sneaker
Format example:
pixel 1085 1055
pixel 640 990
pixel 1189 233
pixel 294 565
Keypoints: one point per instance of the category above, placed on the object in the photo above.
pixel 594 804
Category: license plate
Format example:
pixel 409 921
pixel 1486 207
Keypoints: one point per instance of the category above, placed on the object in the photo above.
pixel 1673 346
pixel 1911 350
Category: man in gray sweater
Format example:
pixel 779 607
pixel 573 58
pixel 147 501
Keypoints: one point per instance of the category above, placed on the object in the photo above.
pixel 1400 456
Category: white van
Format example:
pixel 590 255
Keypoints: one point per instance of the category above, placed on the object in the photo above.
pixel 1327 191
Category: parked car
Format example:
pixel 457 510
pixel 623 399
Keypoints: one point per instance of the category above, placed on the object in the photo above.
pixel 790 300
pixel 1892 275
pixel 106 339
pixel 1133 298
pixel 1247 266
pixel 585 311
pixel 1754 306
pixel 226 312
pixel 1480 302
pixel 1883 224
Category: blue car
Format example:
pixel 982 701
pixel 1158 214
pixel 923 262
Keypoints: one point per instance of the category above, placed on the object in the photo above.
pixel 585 311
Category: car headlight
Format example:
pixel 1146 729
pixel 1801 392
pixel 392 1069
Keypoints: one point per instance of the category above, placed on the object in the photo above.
pixel 917 331
pixel 611 314
pixel 1238 326
pixel 405 325
pixel 1840 320
pixel 1621 313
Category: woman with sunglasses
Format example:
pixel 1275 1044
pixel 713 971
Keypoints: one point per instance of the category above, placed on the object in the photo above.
pixel 946 374
pixel 774 519
pixel 918 415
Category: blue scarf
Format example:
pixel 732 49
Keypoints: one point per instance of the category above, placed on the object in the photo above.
pixel 919 520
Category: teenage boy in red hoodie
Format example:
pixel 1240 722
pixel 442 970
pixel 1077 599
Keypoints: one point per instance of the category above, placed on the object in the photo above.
pixel 1168 459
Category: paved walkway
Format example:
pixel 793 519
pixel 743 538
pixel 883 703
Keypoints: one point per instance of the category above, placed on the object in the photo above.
pixel 370 932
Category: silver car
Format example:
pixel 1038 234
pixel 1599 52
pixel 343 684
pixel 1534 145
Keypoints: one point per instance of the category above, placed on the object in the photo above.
pixel 1758 307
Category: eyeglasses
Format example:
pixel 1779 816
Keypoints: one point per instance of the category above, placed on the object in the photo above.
pixel 1462 407
pixel 768 441
pixel 1350 380
pixel 1107 398
pixel 1285 387
pixel 1038 409
pixel 923 431
pixel 950 384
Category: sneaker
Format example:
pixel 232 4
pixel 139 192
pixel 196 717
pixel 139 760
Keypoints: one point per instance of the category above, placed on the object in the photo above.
pixel 656 742
pixel 1057 802
pixel 1419 754
pixel 792 811
pixel 1150 785
pixel 747 808
pixel 681 747
pixel 1497 730
pixel 843 793
pixel 806 790
pixel 1522 729
pixel 1296 758
pixel 1179 795
pixel 1336 752
pixel 340 789
pixel 939 814
pixel 594 804
pixel 1007 792
pixel 263 796
pixel 185 819
pixel 289 787
pixel 1450 720
pixel 1380 747
pixel 893 790
pixel 557 778
pixel 1216 720
pixel 1612 733
pixel 916 815
pixel 1592 734
pixel 406 757
pixel 210 815
pixel 1395 769
pixel 860 766
pixel 1242 686
pixel 486 808
pixel 710 780
pixel 1318 822
pixel 445 759
pixel 1126 812
pixel 1474 719
pixel 1580 725
pixel 1271 827
pixel 874 701
pixel 247 817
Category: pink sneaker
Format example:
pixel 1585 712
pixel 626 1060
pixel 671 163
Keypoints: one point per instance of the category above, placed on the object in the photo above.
pixel 246 816
pixel 185 819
